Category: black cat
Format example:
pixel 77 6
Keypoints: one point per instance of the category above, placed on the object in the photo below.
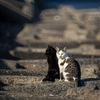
pixel 53 69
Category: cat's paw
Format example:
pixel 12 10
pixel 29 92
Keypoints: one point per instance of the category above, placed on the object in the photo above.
pixel 60 80
pixel 66 80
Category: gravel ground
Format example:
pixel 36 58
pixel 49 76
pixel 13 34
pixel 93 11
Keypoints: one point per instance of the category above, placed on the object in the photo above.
pixel 19 82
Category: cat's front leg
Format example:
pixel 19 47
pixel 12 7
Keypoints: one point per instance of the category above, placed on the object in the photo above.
pixel 60 76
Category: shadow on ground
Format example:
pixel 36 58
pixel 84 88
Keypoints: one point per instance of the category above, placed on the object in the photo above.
pixel 3 65
pixel 91 79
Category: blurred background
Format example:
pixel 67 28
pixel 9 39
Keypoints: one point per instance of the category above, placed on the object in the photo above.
pixel 28 26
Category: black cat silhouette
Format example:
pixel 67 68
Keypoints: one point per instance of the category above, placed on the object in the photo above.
pixel 53 69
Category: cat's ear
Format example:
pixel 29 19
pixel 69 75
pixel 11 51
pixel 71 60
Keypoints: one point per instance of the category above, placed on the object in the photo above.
pixel 64 49
pixel 57 49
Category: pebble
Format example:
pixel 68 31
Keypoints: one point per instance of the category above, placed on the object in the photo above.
pixel 51 95
pixel 12 95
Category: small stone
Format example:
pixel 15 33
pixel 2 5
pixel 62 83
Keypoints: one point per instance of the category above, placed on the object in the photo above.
pixel 41 81
pixel 79 89
pixel 87 94
pixel 31 95
pixel 44 95
pixel 51 95
pixel 69 90
pixel 34 65
pixel 12 95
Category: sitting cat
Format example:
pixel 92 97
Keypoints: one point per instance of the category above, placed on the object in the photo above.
pixel 69 67
pixel 53 69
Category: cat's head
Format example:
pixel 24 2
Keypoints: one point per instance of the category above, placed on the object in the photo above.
pixel 50 52
pixel 61 54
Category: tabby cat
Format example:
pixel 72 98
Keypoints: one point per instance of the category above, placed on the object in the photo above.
pixel 53 69
pixel 69 67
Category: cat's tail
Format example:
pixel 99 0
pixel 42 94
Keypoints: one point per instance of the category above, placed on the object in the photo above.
pixel 76 82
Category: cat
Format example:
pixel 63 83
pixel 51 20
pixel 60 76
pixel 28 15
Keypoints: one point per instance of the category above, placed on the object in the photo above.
pixel 69 67
pixel 53 69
